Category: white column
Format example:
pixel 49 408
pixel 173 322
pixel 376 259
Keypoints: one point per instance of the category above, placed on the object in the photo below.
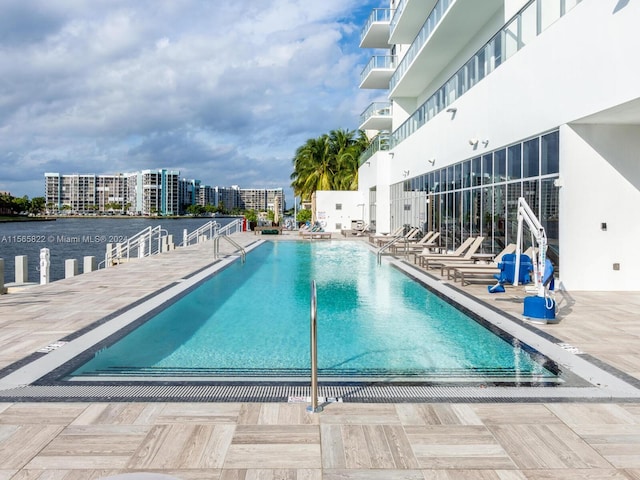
pixel 89 264
pixel 22 273
pixel 184 237
pixel 70 267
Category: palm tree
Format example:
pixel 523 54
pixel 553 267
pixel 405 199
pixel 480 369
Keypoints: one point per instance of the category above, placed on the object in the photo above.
pixel 348 151
pixel 329 162
pixel 313 167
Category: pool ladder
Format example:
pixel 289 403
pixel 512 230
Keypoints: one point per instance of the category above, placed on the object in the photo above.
pixel 216 246
pixel 314 407
pixel 389 244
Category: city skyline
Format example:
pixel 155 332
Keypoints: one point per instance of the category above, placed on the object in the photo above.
pixel 223 94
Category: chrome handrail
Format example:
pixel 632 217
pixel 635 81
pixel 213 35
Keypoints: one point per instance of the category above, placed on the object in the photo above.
pixel 314 407
pixel 393 241
pixel 216 247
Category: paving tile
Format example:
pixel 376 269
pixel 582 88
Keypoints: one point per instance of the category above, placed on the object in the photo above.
pixel 547 446
pixel 457 447
pixel 183 446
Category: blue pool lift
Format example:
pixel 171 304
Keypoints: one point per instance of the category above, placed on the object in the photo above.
pixel 540 308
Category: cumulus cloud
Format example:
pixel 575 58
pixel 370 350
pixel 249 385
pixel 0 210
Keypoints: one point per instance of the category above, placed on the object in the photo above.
pixel 223 91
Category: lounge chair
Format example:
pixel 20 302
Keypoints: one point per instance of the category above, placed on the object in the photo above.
pixel 412 233
pixel 432 261
pixel 413 246
pixel 395 233
pixel 470 265
pixel 426 252
pixel 427 242
pixel 480 272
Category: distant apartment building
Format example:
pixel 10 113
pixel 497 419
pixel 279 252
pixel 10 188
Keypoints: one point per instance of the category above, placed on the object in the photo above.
pixel 149 192
pixel 155 192
pixel 189 193
pixel 111 193
pixel 206 195
pixel 75 193
pixel 262 199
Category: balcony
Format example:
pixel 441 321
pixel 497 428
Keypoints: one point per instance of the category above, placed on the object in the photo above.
pixel 375 33
pixel 451 25
pixel 408 19
pixel 379 143
pixel 377 116
pixel 378 72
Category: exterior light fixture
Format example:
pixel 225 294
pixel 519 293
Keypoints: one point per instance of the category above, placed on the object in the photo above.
pixel 432 161
pixel 473 142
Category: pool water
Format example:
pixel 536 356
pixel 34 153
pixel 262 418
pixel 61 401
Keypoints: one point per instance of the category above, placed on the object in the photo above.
pixel 252 320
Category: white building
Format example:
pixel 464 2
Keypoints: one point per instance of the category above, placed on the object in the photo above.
pixel 484 101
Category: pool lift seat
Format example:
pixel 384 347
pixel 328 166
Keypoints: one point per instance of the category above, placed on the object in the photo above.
pixel 539 308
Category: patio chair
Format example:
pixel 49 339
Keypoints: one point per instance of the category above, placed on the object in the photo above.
pixel 426 252
pixel 469 266
pixel 432 261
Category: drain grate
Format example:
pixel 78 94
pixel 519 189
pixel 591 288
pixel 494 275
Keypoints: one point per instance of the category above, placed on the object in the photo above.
pixel 284 393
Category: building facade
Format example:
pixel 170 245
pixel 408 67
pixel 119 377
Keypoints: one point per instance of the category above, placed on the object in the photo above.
pixel 485 102
pixel 149 192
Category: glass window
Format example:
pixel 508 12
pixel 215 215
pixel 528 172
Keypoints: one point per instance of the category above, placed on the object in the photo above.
pixel 457 175
pixel 476 171
pixel 499 165
pixel 476 208
pixel 466 173
pixel 531 158
pixel 487 169
pixel 514 191
pixel 550 153
pixel 514 162
pixel 499 209
pixel 450 178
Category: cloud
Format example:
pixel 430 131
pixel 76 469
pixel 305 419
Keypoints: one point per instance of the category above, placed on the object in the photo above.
pixel 223 91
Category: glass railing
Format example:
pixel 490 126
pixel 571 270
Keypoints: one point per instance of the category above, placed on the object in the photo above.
pixel 396 16
pixel 378 143
pixel 377 15
pixel 381 109
pixel 425 33
pixel 378 61
pixel 527 24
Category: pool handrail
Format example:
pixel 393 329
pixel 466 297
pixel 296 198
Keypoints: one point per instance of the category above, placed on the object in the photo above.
pixel 314 407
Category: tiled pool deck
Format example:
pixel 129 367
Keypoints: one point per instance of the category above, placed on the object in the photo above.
pixel 264 441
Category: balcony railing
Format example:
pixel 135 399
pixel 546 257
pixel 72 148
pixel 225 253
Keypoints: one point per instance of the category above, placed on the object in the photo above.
pixel 385 63
pixel 379 142
pixel 532 20
pixel 380 109
pixel 378 15
pixel 425 33
pixel 396 16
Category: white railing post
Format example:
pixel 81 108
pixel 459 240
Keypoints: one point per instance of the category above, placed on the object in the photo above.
pixel 45 264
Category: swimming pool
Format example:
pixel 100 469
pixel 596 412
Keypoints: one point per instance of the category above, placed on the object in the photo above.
pixel 250 322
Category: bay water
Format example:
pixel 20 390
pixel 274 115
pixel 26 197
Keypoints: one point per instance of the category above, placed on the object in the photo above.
pixel 77 237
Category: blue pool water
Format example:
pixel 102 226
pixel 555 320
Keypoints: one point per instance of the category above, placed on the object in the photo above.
pixel 374 323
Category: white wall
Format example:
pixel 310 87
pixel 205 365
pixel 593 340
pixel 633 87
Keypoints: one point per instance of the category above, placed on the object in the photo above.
pixel 565 74
pixel 332 219
pixel 601 184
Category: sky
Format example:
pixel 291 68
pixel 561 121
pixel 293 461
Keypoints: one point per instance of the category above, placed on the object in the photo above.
pixel 222 91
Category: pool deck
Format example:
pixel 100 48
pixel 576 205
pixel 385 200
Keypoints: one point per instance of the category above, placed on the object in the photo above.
pixel 267 441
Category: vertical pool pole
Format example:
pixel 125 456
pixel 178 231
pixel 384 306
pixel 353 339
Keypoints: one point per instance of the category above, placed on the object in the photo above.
pixel 314 407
